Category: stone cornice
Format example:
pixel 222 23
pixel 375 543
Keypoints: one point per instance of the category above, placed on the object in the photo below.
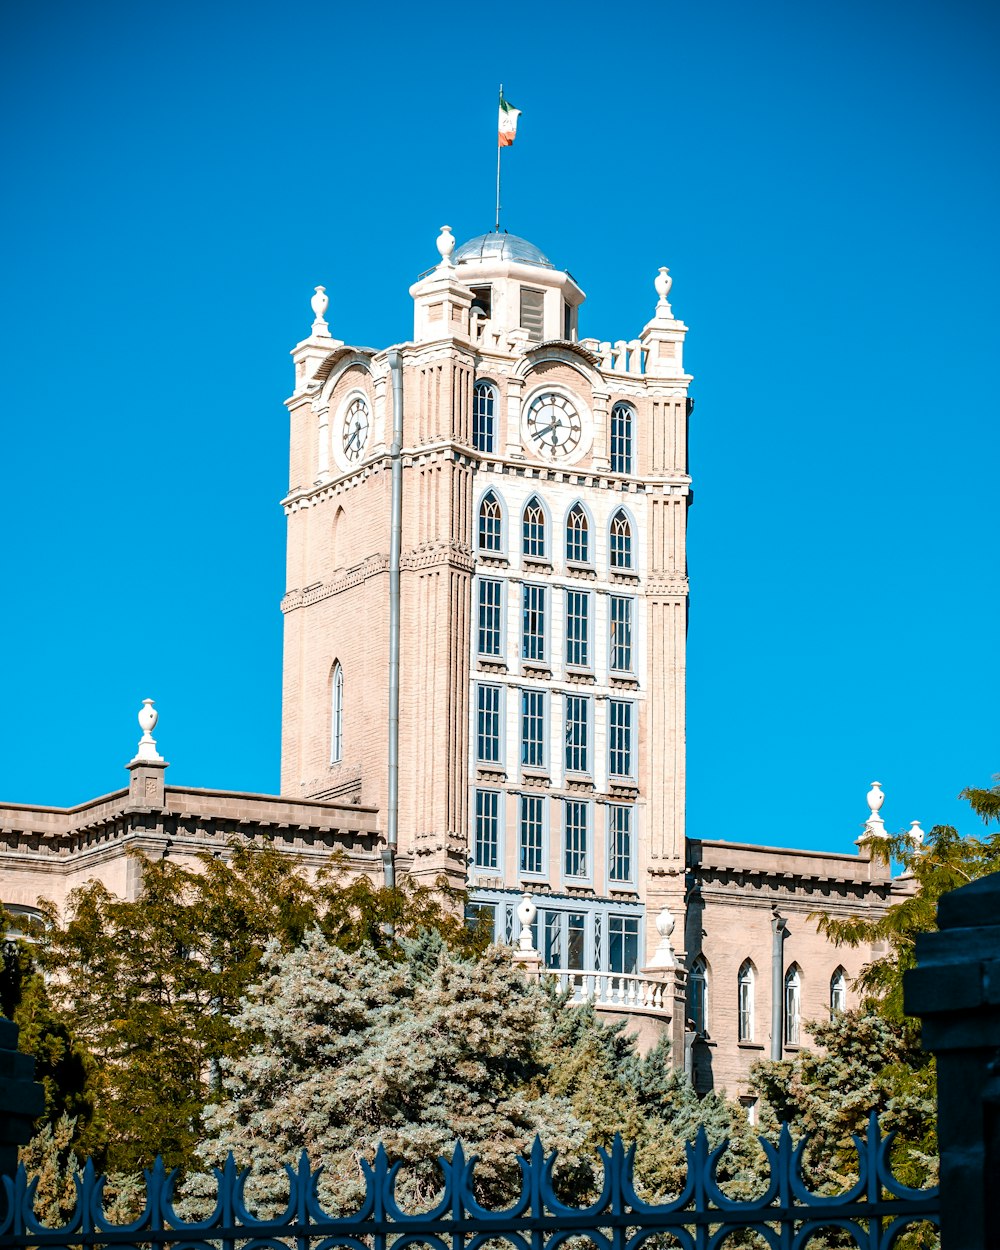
pixel 372 567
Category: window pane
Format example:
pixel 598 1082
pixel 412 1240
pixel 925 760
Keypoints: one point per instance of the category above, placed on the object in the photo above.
pixel 620 738
pixel 533 528
pixel 577 536
pixel 792 986
pixel 482 417
pixel 576 940
pixel 533 623
pixel 577 716
pixel 488 730
pixel 621 542
pixel 489 617
pixel 577 628
pixel 621 439
pixel 553 940
pixel 620 843
pixel 531 833
pixel 490 537
pixel 487 828
pixel 533 728
pixel 621 634
pixel 576 838
pixel 623 944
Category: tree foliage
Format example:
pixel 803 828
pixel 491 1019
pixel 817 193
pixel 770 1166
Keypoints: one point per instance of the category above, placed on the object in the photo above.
pixel 148 988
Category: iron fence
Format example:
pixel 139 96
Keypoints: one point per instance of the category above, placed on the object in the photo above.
pixel 874 1212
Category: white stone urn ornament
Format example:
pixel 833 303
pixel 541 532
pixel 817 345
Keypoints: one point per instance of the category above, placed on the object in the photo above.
pixel 319 304
pixel 526 913
pixel 148 716
pixel 446 245
pixel 875 797
pixel 663 956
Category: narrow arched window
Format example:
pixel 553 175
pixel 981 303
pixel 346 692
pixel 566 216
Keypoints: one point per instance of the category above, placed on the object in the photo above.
pixel 337 716
pixel 533 528
pixel 793 1004
pixel 698 995
pixel 838 992
pixel 483 407
pixel 490 524
pixel 621 541
pixel 621 439
pixel 577 536
pixel 745 988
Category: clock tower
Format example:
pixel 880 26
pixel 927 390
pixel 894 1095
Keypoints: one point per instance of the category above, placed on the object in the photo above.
pixel 486 606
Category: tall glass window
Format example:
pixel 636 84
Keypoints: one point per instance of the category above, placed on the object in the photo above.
pixel 623 944
pixel 620 738
pixel 533 622
pixel 793 1005
pixel 577 535
pixel 621 634
pixel 620 843
pixel 575 835
pixel 488 729
pixel 490 524
pixel 531 833
pixel 533 528
pixel 337 716
pixel 621 439
pixel 744 995
pixel 533 728
pixel 577 628
pixel 490 635
pixel 698 995
pixel 577 716
pixel 621 541
pixel 838 991
pixel 487 850
pixel 483 404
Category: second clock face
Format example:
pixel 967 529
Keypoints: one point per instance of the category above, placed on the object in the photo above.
pixel 356 426
pixel 553 426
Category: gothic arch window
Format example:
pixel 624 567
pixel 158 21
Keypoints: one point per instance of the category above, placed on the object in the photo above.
pixel 577 535
pixel 838 991
pixel 793 1004
pixel 621 541
pixel 337 715
pixel 621 438
pixel 490 524
pixel 533 528
pixel 484 403
pixel 698 995
pixel 745 1004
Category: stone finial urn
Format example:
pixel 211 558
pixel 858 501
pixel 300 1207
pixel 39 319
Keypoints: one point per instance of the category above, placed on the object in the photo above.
pixel 526 913
pixel 446 245
pixel 875 797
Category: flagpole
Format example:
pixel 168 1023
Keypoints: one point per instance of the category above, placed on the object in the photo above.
pixel 498 171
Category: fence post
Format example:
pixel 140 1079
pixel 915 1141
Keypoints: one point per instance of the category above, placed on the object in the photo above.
pixel 955 990
pixel 22 1099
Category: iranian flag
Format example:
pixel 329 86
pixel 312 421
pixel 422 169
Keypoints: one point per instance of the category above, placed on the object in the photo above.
pixel 507 123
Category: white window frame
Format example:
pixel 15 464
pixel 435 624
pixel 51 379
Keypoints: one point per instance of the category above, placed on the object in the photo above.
pixel 838 990
pixel 501 618
pixel 576 700
pixel 588 560
pixel 500 550
pixel 497 797
pixel 586 598
pixel 501 722
pixel 482 385
pixel 617 568
pixel 535 588
pixel 746 980
pixel 630 610
pixel 542 696
pixel 628 438
pixel 610 834
pixel 629 736
pixel 540 873
pixel 793 1005
pixel 588 850
pixel 546 530
pixel 337 714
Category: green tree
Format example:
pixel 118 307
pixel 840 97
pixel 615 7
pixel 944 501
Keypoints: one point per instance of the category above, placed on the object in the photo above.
pixel 150 986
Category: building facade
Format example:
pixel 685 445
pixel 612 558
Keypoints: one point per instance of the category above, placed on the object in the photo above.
pixel 484 671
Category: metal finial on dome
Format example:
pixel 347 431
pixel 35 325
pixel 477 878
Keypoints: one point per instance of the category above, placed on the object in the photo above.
pixel 319 303
pixel 148 716
pixel 446 245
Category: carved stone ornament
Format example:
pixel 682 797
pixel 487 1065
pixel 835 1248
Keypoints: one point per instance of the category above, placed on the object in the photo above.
pixel 526 913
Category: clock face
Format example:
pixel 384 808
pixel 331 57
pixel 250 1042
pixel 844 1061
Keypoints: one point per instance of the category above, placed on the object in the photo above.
pixel 355 434
pixel 553 426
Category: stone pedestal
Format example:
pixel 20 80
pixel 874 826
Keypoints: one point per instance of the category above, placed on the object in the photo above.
pixel 955 990
pixel 146 785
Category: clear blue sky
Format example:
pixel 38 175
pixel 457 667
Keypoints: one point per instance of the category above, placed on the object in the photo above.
pixel 823 183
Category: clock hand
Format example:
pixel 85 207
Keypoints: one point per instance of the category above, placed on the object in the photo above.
pixel 542 433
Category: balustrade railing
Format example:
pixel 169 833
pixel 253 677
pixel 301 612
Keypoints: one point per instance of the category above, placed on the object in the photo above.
pixel 627 991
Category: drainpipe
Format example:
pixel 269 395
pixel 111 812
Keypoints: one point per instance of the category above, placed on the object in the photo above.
pixel 779 927
pixel 395 540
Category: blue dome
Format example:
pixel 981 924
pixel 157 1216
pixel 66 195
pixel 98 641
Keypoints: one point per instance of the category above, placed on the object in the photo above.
pixel 501 247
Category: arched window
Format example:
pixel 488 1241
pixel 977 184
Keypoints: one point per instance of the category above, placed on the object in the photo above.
pixel 533 528
pixel 621 439
pixel 483 407
pixel 490 524
pixel 337 716
pixel 621 541
pixel 577 535
pixel 838 991
pixel 745 987
pixel 698 995
pixel 793 1004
